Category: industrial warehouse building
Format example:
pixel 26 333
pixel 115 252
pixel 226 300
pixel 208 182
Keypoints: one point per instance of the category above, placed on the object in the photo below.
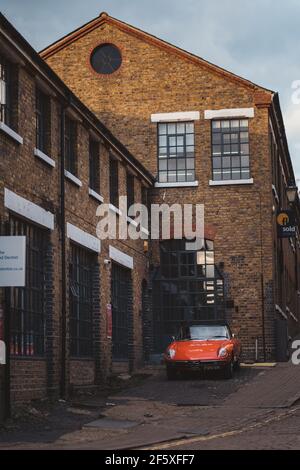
pixel 107 111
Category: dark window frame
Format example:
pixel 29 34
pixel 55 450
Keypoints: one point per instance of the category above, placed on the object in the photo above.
pixel 27 304
pixel 70 142
pixel 42 109
pixel 94 165
pixel 181 155
pixel 130 190
pixel 114 181
pixel 224 162
pixel 6 80
pixel 81 266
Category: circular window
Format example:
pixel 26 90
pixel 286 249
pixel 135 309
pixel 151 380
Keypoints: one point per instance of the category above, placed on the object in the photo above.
pixel 106 59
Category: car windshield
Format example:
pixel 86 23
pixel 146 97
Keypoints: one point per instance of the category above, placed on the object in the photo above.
pixel 204 332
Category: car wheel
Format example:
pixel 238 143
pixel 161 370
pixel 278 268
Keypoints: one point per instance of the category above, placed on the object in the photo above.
pixel 237 364
pixel 171 374
pixel 228 371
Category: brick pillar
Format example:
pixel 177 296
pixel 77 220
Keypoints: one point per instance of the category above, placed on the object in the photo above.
pixel 96 312
pixel 49 312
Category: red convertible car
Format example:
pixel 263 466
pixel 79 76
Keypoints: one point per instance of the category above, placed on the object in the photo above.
pixel 203 347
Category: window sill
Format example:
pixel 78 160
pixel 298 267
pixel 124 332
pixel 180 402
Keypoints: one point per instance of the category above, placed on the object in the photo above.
pixel 11 133
pixel 73 178
pixel 95 195
pixel 42 156
pixel 230 182
pixel 115 209
pixel 188 184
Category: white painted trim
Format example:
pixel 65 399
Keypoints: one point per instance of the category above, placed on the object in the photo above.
pixel 135 224
pixel 187 184
pixel 73 178
pixel 229 113
pixel 42 156
pixel 230 182
pixel 120 257
pixel 114 209
pixel 95 195
pixel 28 209
pixel 175 117
pixel 83 238
pixel 11 133
pixel 278 309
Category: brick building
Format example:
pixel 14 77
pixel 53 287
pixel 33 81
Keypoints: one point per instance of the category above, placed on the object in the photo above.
pixel 207 136
pixel 181 130
pixel 58 163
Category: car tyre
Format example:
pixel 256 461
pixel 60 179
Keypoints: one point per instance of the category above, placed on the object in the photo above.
pixel 228 371
pixel 171 374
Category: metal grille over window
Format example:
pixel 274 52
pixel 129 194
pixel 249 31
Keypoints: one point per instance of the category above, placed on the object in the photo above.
pixel 94 166
pixel 70 145
pixel 230 149
pixel 187 287
pixel 27 303
pixel 80 289
pixel 176 152
pixel 5 86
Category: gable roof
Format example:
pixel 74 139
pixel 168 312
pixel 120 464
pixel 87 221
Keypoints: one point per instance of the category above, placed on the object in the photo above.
pixel 104 18
pixel 9 34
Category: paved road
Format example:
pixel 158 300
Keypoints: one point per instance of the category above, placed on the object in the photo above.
pixel 256 410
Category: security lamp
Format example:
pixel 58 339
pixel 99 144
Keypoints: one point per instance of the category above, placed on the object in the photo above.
pixel 291 193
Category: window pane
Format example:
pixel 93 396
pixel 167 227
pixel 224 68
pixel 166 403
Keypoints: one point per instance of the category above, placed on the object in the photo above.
pixel 190 176
pixel 171 129
pixel 172 164
pixel 217 162
pixel 235 162
pixel 190 139
pixel 162 129
pixel 180 128
pixel 189 128
pixel 217 149
pixel 245 162
pixel 245 149
pixel 172 141
pixel 217 175
pixel 163 177
pixel 163 141
pixel 162 164
pixel 181 164
pixel 234 138
pixel 190 163
pixel 180 151
pixel 234 148
pixel 180 140
pixel 244 123
pixel 162 152
pixel 235 124
pixel 226 162
pixel 225 124
pixel 245 174
pixel 226 138
pixel 217 138
pixel 216 124
pixel 244 136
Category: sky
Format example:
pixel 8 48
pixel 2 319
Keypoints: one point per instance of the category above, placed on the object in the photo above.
pixel 257 39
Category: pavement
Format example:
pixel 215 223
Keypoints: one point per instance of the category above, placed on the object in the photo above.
pixel 258 409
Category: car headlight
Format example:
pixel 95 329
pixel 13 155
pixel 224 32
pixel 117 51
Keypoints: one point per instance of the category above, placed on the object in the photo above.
pixel 171 353
pixel 223 352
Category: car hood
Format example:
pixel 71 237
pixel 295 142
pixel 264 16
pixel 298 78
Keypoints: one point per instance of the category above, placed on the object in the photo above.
pixel 196 350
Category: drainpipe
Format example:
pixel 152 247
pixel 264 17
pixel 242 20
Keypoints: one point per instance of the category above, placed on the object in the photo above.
pixel 63 257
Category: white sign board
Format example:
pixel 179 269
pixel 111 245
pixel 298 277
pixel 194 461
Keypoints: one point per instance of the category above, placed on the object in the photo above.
pixel 12 261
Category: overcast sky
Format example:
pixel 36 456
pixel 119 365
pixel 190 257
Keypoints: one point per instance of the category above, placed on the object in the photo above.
pixel 258 39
